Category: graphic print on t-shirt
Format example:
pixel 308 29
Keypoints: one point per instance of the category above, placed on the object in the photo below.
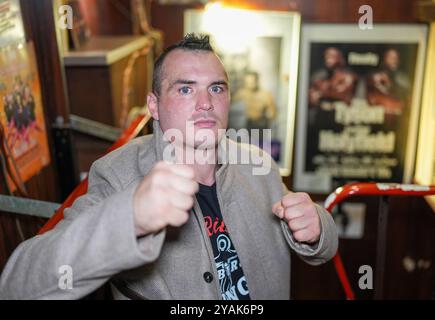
pixel 232 280
pixel 227 264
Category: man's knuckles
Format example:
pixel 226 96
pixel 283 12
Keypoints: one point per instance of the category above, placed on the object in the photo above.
pixel 162 178
pixel 181 201
pixel 180 170
pixel 303 235
pixel 298 224
pixel 292 199
pixel 177 218
pixel 300 210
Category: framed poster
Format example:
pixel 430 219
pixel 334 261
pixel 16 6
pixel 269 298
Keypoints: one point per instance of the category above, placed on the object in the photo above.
pixel 11 24
pixel 21 111
pixel 358 104
pixel 425 164
pixel 259 50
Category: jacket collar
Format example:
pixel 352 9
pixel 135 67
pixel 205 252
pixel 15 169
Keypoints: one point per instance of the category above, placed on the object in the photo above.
pixel 158 141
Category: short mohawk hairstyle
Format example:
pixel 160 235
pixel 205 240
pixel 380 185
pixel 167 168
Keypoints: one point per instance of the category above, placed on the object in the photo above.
pixel 190 42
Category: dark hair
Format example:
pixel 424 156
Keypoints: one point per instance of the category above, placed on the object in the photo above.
pixel 190 42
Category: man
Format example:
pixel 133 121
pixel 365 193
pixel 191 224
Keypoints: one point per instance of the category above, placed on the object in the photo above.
pixel 260 106
pixel 389 86
pixel 176 231
pixel 334 82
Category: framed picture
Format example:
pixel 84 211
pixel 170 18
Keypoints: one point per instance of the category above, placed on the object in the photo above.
pixel 425 165
pixel 358 104
pixel 11 26
pixel 22 113
pixel 259 50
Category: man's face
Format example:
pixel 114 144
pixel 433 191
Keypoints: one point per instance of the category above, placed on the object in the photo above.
pixel 391 59
pixel 332 57
pixel 194 90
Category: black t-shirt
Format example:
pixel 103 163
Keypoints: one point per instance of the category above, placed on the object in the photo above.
pixel 232 280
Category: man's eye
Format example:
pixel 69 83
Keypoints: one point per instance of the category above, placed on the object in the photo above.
pixel 185 90
pixel 217 89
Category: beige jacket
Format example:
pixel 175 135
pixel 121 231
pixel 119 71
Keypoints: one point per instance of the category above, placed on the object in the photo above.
pixel 96 241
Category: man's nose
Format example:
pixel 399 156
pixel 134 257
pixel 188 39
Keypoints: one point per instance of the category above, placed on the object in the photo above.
pixel 204 102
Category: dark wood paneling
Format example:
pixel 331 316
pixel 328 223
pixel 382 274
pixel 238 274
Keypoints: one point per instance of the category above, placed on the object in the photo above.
pixel 411 235
pixel 96 91
pixel 107 17
pixel 401 11
pixel 110 17
pixel 137 89
pixel 41 29
pixel 88 149
pixel 90 93
pixel 169 18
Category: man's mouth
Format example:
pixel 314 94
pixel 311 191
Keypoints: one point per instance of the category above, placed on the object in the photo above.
pixel 205 123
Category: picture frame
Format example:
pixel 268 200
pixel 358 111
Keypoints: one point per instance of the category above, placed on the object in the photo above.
pixel 260 48
pixel 425 163
pixel 358 104
pixel 12 27
pixel 22 115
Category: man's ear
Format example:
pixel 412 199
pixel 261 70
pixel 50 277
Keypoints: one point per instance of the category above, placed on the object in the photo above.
pixel 153 105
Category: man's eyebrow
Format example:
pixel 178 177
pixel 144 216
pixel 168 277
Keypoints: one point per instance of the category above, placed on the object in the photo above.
pixel 219 82
pixel 185 81
pixel 180 81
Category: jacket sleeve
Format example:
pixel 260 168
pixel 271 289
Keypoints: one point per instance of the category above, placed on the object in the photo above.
pixel 94 241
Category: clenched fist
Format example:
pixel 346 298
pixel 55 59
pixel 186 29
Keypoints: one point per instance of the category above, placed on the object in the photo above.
pixel 301 215
pixel 164 197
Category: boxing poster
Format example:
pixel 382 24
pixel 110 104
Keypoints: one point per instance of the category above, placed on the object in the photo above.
pixel 21 112
pixel 358 105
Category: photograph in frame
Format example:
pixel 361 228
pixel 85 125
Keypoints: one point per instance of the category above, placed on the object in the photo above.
pixel 11 27
pixel 259 50
pixel 358 104
pixel 22 112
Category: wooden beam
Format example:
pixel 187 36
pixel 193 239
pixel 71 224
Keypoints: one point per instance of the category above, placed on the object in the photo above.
pixel 40 26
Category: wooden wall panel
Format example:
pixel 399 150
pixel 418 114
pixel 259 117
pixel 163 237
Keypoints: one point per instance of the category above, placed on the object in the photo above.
pixel 169 18
pixel 107 17
pixel 111 17
pixel 40 28
pixel 90 92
